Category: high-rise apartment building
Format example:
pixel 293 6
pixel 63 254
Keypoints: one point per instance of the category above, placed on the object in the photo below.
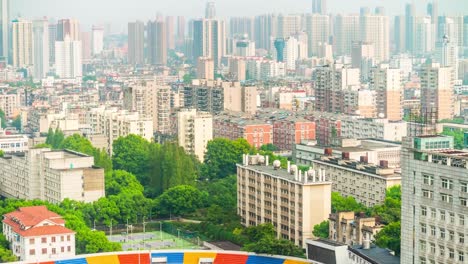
pixel 388 84
pixel 170 32
pixel 291 200
pixel 437 90
pixel 68 27
pixel 180 31
pixel 97 39
pixel 157 42
pixel 86 45
pixel 434 201
pixel 68 58
pixel 319 7
pixel 41 48
pixel 266 27
pixel 423 41
pixel 399 36
pixel 205 68
pixel 318 31
pixel 52 39
pixel 433 12
pixel 447 54
pixel 150 99
pixel 209 39
pixel 410 12
pixel 136 42
pixel 5 29
pixel 194 130
pixel 241 26
pixel 238 98
pixel 205 96
pixel 375 29
pixel 210 10
pixel 22 43
pixel 346 32
pixel 288 25
pixel 363 58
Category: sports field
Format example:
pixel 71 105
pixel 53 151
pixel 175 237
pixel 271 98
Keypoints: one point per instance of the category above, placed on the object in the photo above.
pixel 151 240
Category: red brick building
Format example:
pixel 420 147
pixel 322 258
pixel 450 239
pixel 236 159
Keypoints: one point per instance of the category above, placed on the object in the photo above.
pixel 256 132
pixel 292 130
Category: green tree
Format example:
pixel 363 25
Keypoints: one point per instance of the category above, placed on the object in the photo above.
pixel 321 230
pixel 458 137
pixel 131 153
pixel 3 120
pixel 6 255
pixel 55 138
pixel 389 237
pixel 119 181
pixel 390 210
pixel 181 200
pixel 81 144
pixel 269 147
pixel 1 153
pixel 188 78
pixel 222 155
pixel 17 123
pixel 42 145
pixel 345 204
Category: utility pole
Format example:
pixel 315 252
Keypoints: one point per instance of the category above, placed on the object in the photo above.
pixel 160 230
pixel 111 228
pixel 144 232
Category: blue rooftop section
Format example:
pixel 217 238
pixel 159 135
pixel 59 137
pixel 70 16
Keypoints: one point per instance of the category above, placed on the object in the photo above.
pixel 72 261
pixel 172 258
pixel 263 260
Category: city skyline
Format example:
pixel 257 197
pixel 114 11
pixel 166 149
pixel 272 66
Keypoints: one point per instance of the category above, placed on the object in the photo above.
pixel 146 9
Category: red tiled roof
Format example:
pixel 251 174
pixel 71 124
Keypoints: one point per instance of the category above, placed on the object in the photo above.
pixel 29 217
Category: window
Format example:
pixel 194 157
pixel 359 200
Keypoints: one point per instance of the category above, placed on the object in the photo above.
pixel 447 184
pixel 442 232
pixel 447 198
pixel 423 210
pixel 422 245
pixel 451 253
pixel 433 213
pixel 428 179
pixel 68 238
pixel 53 239
pixel 62 249
pixel 452 218
pixel 442 215
pixel 451 235
pixel 44 240
pixel 423 228
pixel 461 220
pixel 463 202
pixel 54 251
pixel 461 256
pixel 422 260
pixel 428 194
pixel 68 248
pixel 441 250
pixel 461 238
pixel 464 187
pixel 432 248
pixel 62 238
pixel 433 231
pixel 44 251
pixel 31 241
pixel 32 252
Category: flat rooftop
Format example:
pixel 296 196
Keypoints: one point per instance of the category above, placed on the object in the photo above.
pixel 279 173
pixel 376 254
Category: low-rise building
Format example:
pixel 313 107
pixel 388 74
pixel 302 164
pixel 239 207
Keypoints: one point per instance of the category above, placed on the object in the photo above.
pixel 351 230
pixel 375 151
pixel 291 200
pixel 290 131
pixel 9 104
pixel 13 143
pixel 371 254
pixel 327 251
pixel 37 234
pixel 51 176
pixel 367 183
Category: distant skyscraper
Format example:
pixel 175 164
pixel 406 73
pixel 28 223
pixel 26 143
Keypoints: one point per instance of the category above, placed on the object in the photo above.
pixel 400 34
pixel 157 43
pixel 387 83
pixel 41 48
pixel 288 25
pixel 69 27
pixel 52 39
pixel 86 45
pixel 22 43
pixel 4 29
pixel 319 7
pixel 375 29
pixel 317 29
pixel 380 10
pixel 205 68
pixel 437 89
pixel 136 42
pixel 422 35
pixel 209 39
pixel 266 27
pixel 346 32
pixel 410 12
pixel 180 31
pixel 363 58
pixel 170 32
pixel 210 11
pixel 447 54
pixel 433 12
pixel 68 58
pixel 97 39
pixel 239 26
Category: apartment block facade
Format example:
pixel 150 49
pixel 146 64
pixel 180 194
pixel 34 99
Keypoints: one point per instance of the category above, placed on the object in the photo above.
pixel 194 130
pixel 290 131
pixel 292 201
pixel 352 230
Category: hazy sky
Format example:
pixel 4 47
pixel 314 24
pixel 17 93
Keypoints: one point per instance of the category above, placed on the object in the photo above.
pixel 119 12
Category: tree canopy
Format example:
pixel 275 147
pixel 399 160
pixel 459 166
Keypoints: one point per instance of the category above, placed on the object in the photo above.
pixel 322 229
pixel 389 237
pixel 181 200
pixel 3 120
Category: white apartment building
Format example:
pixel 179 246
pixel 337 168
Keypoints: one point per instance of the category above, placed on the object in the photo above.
pixel 375 29
pixel 97 39
pixel 37 234
pixel 114 123
pixel 9 103
pixel 290 200
pixel 13 143
pixel 194 130
pixel 434 209
pixel 51 176
pixel 367 183
pixel 40 48
pixel 318 31
pixel 346 32
pixel 68 59
pixel 373 128
pixel 388 84
pixel 22 43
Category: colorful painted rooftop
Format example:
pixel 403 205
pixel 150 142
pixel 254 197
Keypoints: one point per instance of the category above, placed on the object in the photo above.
pixel 179 257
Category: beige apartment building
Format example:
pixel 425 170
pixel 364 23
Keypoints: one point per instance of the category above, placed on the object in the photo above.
pixel 239 98
pixel 114 123
pixel 151 99
pixel 194 130
pixel 437 90
pixel 387 82
pixel 9 104
pixel 367 183
pixel 291 200
pixel 205 68
pixel 352 230
pixel 51 176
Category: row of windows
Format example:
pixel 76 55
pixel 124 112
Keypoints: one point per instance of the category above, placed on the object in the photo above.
pixel 443 216
pixel 447 198
pixel 443 234
pixel 445 183
pixel 442 252
pixel 32 252
pixel 53 239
